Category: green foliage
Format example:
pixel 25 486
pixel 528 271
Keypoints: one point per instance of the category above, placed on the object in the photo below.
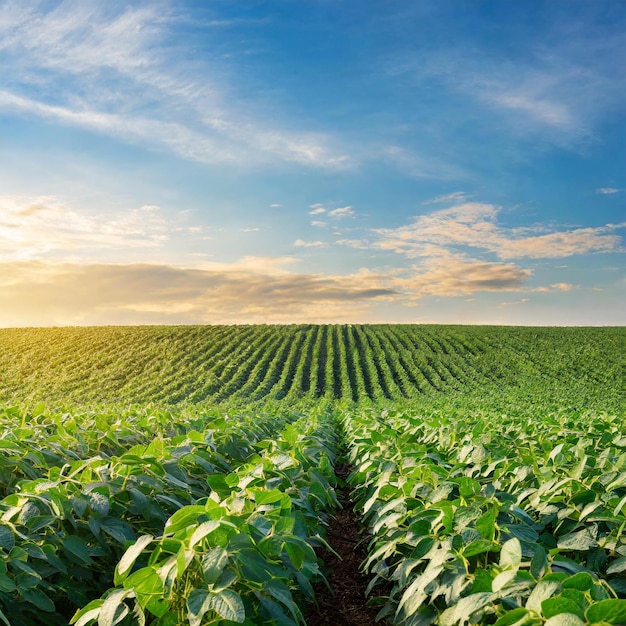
pixel 482 519
pixel 183 365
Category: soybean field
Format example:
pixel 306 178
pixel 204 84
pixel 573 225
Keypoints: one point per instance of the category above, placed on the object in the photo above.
pixel 358 363
pixel 195 475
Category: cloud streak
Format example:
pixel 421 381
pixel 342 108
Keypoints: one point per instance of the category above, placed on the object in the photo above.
pixel 38 227
pixel 475 225
pixel 122 77
pixel 36 292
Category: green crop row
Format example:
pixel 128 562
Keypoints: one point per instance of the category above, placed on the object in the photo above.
pixel 489 520
pixel 244 554
pixel 78 489
pixel 190 365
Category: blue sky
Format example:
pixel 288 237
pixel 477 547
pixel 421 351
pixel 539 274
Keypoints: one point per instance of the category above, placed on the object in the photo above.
pixel 323 161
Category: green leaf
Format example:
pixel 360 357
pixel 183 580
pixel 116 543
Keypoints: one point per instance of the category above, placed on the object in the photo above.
pixel 4 618
pixel 228 604
pixel 145 582
pixel 213 563
pixel 465 608
pixel 565 619
pixel 113 608
pixel 196 606
pixel 479 547
pixel 296 554
pixel 511 554
pixel 184 517
pixel 543 590
pixel 206 528
pixel 77 550
pixel 609 611
pixel 582 540
pixel 485 524
pixel 129 558
pixel 558 604
pixel 582 581
pixel 7 538
pixel 510 618
pixel 39 599
pixel 88 613
pixel 617 566
pixel 6 584
pixel 468 487
pixel 539 563
pixel 263 496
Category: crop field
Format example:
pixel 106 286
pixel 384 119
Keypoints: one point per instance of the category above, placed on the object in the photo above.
pixel 193 475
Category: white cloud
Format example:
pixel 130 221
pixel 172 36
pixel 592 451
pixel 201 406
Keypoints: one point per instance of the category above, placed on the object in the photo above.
pixel 121 76
pixel 319 224
pixel 250 230
pixel 346 211
pixel 454 275
pixel 36 227
pixel 299 243
pixel 317 210
pixel 454 198
pixel 607 191
pixel 475 225
pixel 254 290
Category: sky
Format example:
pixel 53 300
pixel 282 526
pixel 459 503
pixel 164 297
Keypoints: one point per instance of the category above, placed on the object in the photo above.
pixel 327 161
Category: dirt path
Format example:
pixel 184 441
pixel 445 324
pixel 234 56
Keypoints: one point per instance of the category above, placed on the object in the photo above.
pixel 344 603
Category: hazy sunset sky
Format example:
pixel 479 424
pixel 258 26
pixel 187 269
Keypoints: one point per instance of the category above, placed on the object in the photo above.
pixel 231 161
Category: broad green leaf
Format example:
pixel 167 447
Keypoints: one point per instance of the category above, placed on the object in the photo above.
pixel 196 606
pixel 113 608
pixel 129 558
pixel 503 578
pixel 262 496
pixel 77 550
pixel 465 608
pixel 39 599
pixel 557 605
pixel 87 613
pixel 609 611
pixel 7 538
pixel 3 617
pixel 6 584
pixel 479 547
pixel 145 582
pixel 539 563
pixel 511 618
pixel 485 524
pixel 565 619
pixel 543 590
pixel 584 539
pixel 204 529
pixel 511 554
pixel 184 517
pixel 617 566
pixel 213 563
pixel 582 581
pixel 227 604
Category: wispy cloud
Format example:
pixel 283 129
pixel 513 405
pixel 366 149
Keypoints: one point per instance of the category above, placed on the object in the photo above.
pixel 299 243
pixel 475 225
pixel 36 227
pixel 607 191
pixel 122 76
pixel 456 197
pixel 36 292
pixel 346 211
pixel 447 274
